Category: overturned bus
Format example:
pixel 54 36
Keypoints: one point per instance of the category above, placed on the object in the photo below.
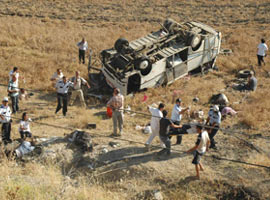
pixel 160 57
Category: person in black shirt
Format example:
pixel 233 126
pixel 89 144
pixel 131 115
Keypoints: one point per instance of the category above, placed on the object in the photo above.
pixel 163 133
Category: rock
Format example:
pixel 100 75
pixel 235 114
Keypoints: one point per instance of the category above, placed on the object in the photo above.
pixel 196 100
pixel 104 150
pixel 114 144
pixel 91 126
pixel 158 195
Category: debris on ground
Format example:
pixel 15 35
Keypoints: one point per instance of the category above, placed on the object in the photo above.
pixel 220 99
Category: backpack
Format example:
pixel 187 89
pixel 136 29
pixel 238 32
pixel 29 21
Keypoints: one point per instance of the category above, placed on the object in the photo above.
pixel 83 140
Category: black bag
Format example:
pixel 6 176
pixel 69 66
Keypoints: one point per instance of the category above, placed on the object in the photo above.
pixel 83 140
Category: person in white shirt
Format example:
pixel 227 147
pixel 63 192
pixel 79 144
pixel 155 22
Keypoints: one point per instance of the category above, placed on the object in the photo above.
pixel 78 81
pixel 14 72
pixel 83 46
pixel 214 120
pixel 5 119
pixel 177 116
pixel 24 128
pixel 156 116
pixel 62 94
pixel 57 76
pixel 201 146
pixel 13 91
pixel 262 48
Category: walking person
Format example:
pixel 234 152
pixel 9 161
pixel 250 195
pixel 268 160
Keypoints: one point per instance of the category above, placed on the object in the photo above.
pixel 5 119
pixel 214 120
pixel 201 146
pixel 116 103
pixel 176 117
pixel 155 123
pixel 83 46
pixel 62 94
pixel 262 48
pixel 13 92
pixel 77 86
pixel 163 133
pixel 24 128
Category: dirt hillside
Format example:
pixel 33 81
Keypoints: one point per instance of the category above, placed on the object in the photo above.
pixel 41 36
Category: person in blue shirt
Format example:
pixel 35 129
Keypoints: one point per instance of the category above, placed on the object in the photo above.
pixel 176 117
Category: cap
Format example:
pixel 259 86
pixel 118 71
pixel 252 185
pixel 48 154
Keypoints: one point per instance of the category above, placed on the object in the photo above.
pixel 178 100
pixel 5 99
pixel 216 108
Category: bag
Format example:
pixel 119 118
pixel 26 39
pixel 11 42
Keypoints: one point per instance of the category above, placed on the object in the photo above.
pixel 83 140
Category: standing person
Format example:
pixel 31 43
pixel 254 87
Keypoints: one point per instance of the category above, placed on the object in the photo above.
pixel 156 116
pixel 262 48
pixel 163 133
pixel 57 76
pixel 77 86
pixel 176 117
pixel 117 105
pixel 62 93
pixel 214 120
pixel 201 146
pixel 83 46
pixel 13 91
pixel 14 72
pixel 5 118
pixel 24 128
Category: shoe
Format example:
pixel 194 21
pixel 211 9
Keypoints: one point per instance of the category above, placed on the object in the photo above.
pixel 113 135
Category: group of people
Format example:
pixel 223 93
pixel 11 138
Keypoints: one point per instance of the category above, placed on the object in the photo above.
pixel 63 85
pixel 161 126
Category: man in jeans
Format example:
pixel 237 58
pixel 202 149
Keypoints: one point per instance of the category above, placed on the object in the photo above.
pixel 117 105
pixel 13 91
pixel 5 119
pixel 62 93
pixel 163 133
pixel 77 86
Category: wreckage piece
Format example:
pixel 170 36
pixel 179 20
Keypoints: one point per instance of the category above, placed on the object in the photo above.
pixel 158 58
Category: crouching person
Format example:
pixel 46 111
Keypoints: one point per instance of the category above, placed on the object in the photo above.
pixel 164 124
pixel 24 128
pixel 201 146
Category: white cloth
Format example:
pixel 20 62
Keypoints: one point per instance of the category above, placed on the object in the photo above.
pixel 11 73
pixel 156 116
pixel 203 142
pixel 24 148
pixel 215 117
pixel 57 76
pixel 261 49
pixel 176 116
pixel 78 81
pixel 62 87
pixel 6 113
pixel 25 125
pixel 82 46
